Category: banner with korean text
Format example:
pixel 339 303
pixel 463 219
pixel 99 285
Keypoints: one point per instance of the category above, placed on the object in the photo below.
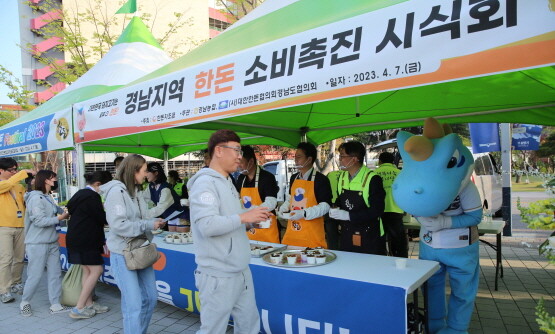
pixel 526 137
pixel 50 132
pixel 409 44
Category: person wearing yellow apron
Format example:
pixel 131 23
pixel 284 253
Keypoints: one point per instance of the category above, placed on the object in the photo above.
pixel 258 187
pixel 308 202
pixel 361 200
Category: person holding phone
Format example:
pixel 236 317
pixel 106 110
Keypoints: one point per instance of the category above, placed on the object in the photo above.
pixel 41 243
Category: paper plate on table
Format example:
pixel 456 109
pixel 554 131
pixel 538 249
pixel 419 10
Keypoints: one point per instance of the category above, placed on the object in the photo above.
pixel 330 257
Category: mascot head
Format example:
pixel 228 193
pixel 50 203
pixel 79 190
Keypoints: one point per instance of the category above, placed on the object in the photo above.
pixel 436 166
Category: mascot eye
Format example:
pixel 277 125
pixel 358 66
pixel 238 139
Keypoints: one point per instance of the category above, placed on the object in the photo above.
pixel 454 159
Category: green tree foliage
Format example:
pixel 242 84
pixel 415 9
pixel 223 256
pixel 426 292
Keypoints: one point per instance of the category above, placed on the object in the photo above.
pixel 16 90
pixel 6 117
pixel 82 50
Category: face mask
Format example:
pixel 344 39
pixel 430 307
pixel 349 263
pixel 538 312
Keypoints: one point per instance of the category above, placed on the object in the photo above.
pixel 299 167
pixel 243 171
pixel 55 186
pixel 348 166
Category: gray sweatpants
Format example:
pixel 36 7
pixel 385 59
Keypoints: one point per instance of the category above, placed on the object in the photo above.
pixel 221 297
pixel 41 256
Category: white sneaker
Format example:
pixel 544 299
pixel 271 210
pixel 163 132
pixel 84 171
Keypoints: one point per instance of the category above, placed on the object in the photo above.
pixel 98 308
pixel 58 308
pixel 25 310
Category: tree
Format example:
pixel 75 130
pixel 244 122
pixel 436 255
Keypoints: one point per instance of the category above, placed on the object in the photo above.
pixel 16 90
pixel 547 151
pixel 6 117
pixel 236 9
pixel 82 50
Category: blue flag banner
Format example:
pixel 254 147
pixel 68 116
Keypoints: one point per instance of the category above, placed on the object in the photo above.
pixel 484 137
pixel 526 137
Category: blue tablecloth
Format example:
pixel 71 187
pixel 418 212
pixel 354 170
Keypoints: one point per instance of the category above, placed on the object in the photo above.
pixel 357 293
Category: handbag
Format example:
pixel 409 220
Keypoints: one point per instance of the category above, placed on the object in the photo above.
pixel 140 253
pixel 71 285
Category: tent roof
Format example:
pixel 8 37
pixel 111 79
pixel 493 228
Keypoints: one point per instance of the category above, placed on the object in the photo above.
pixel 502 75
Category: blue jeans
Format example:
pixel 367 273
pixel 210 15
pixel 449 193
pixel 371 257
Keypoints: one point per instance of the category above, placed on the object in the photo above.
pixel 138 294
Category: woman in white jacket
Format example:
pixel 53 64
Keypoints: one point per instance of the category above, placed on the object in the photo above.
pixel 41 243
pixel 126 213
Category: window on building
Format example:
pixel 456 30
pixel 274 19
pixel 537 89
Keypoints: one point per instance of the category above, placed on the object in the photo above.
pixel 218 25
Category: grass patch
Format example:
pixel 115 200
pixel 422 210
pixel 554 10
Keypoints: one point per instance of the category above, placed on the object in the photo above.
pixel 530 187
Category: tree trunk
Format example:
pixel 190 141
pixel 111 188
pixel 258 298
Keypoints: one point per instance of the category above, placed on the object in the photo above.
pixel 327 165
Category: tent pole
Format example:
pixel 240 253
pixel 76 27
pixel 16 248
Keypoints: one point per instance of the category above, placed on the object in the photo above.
pixel 166 158
pixel 506 176
pixel 304 131
pixel 80 165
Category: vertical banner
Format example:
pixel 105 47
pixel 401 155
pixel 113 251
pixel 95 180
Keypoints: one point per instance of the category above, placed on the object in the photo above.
pixel 526 137
pixel 484 137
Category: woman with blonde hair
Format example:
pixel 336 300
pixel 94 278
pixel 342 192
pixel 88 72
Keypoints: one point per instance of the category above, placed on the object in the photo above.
pixel 126 210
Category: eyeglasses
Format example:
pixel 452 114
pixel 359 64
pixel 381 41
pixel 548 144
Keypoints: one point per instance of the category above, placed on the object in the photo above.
pixel 345 156
pixel 236 149
pixel 12 170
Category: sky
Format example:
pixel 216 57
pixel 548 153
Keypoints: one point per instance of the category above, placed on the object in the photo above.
pixel 10 53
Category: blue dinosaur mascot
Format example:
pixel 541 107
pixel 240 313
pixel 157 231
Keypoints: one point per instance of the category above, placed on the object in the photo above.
pixel 434 186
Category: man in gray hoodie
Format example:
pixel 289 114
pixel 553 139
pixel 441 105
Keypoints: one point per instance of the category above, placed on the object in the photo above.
pixel 222 249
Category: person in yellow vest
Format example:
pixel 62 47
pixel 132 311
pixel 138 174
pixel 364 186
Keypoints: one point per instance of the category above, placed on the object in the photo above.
pixel 177 183
pixel 393 215
pixel 258 187
pixel 332 225
pixel 361 203
pixel 308 203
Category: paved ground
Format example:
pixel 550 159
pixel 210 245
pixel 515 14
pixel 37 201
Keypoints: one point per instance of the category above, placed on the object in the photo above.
pixel 510 310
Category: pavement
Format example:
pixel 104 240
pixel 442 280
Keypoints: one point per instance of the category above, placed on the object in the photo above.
pixel 527 278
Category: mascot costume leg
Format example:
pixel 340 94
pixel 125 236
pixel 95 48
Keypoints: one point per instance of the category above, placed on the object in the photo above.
pixel 434 186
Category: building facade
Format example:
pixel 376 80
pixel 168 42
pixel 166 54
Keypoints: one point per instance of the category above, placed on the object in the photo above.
pixel 196 20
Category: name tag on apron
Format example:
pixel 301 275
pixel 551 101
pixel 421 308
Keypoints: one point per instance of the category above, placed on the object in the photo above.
pixel 19 214
pixel 357 240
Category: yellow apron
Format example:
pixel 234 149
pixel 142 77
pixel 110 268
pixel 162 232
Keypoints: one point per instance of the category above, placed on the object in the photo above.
pixel 305 233
pixel 250 197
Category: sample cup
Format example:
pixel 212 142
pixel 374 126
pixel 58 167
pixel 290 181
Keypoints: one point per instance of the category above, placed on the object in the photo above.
pixel 401 263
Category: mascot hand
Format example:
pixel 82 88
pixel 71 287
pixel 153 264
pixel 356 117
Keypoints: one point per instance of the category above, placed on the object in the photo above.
pixel 435 223
pixel 339 214
pixel 297 215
